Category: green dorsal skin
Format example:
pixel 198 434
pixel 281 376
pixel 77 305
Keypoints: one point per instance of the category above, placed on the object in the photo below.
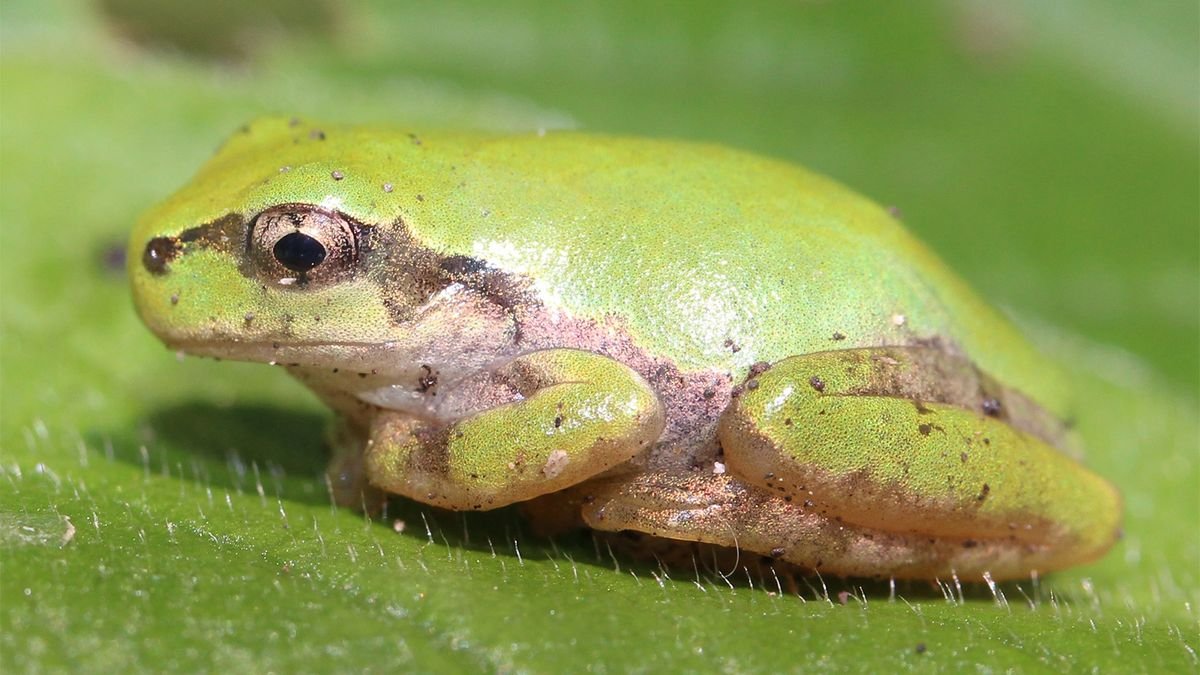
pixel 746 259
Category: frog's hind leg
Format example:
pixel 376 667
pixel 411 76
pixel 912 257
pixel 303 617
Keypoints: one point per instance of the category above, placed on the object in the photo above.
pixel 917 443
pixel 572 415
pixel 725 511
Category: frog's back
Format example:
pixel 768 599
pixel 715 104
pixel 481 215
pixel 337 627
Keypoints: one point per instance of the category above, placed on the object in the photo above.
pixel 720 259
pixel 711 257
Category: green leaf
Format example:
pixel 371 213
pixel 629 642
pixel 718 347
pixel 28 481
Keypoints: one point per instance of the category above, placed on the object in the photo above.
pixel 158 514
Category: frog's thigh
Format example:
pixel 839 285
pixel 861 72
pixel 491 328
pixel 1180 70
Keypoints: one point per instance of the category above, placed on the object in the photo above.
pixel 579 414
pixel 907 441
pixel 726 511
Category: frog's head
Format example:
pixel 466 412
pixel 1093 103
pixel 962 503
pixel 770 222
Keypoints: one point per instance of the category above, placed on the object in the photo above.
pixel 287 246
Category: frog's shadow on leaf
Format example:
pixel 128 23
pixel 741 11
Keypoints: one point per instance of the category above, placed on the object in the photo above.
pixel 240 447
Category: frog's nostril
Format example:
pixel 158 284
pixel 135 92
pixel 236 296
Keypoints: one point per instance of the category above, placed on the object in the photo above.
pixel 299 252
pixel 159 252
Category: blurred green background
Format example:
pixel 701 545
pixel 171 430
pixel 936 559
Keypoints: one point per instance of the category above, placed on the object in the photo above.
pixel 166 515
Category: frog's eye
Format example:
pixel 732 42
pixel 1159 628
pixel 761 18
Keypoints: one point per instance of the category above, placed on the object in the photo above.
pixel 301 243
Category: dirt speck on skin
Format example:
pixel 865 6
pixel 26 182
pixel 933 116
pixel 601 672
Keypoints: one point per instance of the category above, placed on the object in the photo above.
pixel 398 526
pixel 428 380
pixel 843 597
pixel 817 383
pixel 838 337
pixel 991 407
pixel 555 463
pixel 732 346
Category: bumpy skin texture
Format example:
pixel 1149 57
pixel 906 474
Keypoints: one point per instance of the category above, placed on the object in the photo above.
pixel 673 338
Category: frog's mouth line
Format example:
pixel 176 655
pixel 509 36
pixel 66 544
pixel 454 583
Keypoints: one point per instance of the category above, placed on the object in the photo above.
pixel 318 353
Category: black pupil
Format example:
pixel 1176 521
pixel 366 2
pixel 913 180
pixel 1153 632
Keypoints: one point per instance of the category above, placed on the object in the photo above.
pixel 299 252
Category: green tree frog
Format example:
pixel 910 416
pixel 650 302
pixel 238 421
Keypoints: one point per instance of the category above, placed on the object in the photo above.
pixel 676 339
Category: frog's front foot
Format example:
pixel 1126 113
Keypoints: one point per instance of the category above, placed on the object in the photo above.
pixel 577 414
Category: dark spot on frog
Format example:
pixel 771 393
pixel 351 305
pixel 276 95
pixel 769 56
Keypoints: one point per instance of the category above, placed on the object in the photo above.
pixel 420 198
pixel 337 175
pixel 838 337
pixel 983 493
pixel 415 140
pixel 963 456
pixel 428 380
pixel 894 211
pixel 787 422
pixel 731 346
pixel 969 543
pixel 817 383
pixel 248 318
pixel 924 429
pixel 921 409
pixel 160 251
pixel 991 407
pixel 558 420
pixel 921 648
pixel 317 135
pixel 462 265
pixel 758 368
pixel 708 394
pixel 174 298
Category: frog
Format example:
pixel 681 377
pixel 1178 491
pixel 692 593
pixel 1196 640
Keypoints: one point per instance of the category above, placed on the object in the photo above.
pixel 680 340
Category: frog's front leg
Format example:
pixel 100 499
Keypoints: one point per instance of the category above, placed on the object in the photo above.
pixel 576 414
pixel 915 441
